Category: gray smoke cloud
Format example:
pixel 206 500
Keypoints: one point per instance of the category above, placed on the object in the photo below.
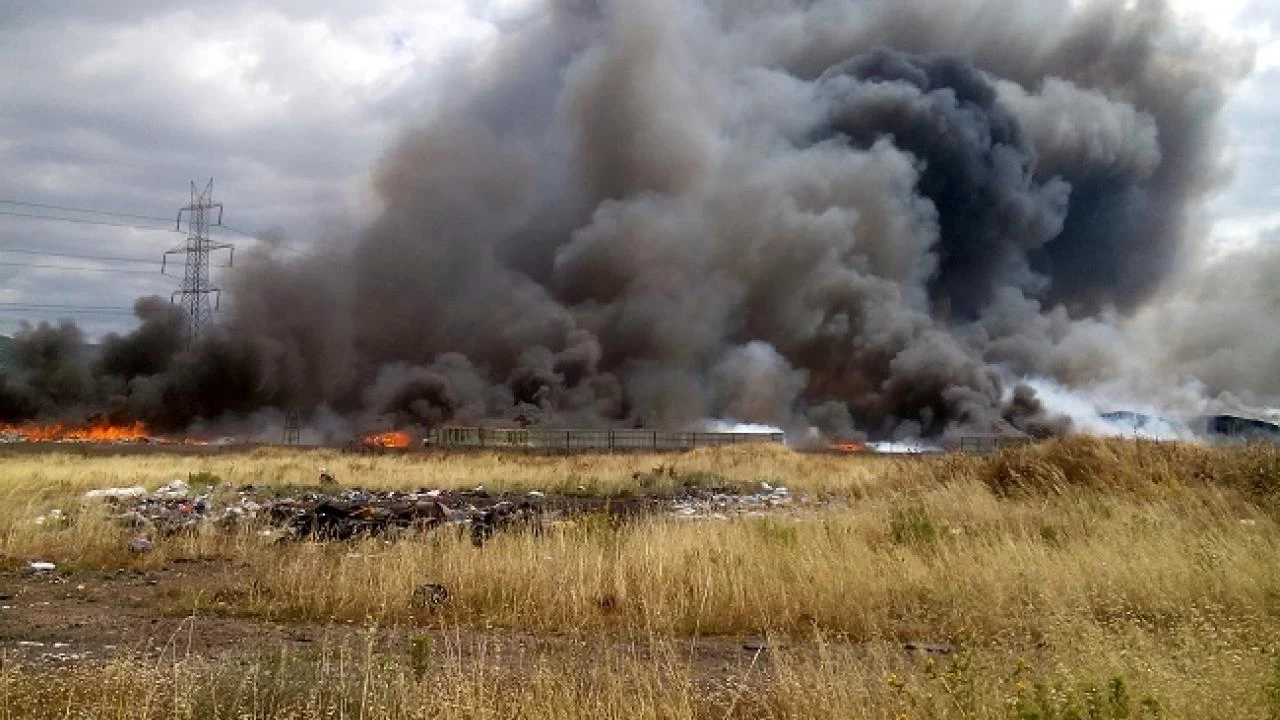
pixel 873 217
pixel 1216 328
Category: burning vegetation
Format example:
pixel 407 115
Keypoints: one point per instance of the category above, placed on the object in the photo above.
pixel 388 440
pixel 103 433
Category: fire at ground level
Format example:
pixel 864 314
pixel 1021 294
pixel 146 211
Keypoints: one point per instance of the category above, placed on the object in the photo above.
pixel 1216 429
pixel 137 437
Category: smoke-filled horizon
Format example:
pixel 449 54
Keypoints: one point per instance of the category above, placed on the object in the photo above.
pixel 861 216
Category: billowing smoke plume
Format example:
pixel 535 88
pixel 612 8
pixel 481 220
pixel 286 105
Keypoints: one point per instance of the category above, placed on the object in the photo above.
pixel 873 217
pixel 1217 327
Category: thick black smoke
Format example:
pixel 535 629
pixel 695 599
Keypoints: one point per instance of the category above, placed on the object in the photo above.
pixel 54 377
pixel 873 217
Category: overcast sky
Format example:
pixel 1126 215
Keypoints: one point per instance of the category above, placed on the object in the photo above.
pixel 119 105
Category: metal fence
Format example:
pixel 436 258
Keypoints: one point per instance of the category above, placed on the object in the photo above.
pixel 988 444
pixel 542 439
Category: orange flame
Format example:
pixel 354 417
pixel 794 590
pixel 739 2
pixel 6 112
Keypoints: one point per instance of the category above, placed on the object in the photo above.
pixel 389 440
pixel 849 447
pixel 62 433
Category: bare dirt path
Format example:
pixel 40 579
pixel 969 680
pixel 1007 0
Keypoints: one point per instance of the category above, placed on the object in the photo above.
pixel 98 616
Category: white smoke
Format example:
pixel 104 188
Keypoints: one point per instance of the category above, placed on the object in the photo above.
pixel 733 426
pixel 1088 408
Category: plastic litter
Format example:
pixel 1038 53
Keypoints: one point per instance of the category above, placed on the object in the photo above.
pixel 342 514
pixel 52 517
pixel 174 490
pixel 116 493
pixel 430 594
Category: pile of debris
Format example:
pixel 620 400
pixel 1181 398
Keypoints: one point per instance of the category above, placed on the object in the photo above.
pixel 726 505
pixel 339 514
pixel 357 513
pixel 176 508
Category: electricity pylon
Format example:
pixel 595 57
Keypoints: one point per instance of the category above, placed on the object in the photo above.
pixel 196 286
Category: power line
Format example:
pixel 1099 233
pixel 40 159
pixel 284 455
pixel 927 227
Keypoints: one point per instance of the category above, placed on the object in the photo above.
pixel 109 213
pixel 118 271
pixel 69 306
pixel 64 313
pixel 79 256
pixel 239 232
pixel 85 221
pixel 24 313
pixel 320 255
pixel 87 211
pixel 64 309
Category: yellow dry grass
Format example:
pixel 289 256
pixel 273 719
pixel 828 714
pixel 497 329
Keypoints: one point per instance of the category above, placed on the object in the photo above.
pixel 1205 676
pixel 1057 568
pixel 59 473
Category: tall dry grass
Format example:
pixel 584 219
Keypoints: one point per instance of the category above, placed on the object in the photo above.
pixel 58 473
pixel 943 564
pixel 1064 534
pixel 1066 572
pixel 443 676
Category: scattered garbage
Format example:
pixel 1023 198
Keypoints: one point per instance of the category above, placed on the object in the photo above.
pixel 430 595
pixel 354 514
pixel 53 517
pixel 326 477
pixel 336 515
pixel 116 493
pixel 175 490
pixel 723 505
pixel 41 566
pixel 501 516
pixel 65 657
pixel 929 648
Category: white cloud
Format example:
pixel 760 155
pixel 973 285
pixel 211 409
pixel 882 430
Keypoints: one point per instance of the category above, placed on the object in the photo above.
pixel 1245 211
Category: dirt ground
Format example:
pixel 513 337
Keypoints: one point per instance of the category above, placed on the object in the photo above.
pixel 89 617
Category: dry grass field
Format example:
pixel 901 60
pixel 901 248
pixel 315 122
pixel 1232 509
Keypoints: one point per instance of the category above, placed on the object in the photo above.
pixel 1074 579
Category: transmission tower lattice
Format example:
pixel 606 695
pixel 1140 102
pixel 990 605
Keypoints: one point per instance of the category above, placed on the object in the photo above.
pixel 196 285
